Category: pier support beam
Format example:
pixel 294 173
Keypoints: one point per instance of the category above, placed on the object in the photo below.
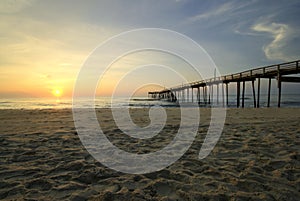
pixel 279 89
pixel 227 95
pixel 204 94
pixel 258 92
pixel 243 95
pixel 223 95
pixel 290 79
pixel 269 92
pixel 198 95
pixel 188 95
pixel 212 94
pixel 218 94
pixel 253 91
pixel 192 95
pixel 238 90
pixel 209 90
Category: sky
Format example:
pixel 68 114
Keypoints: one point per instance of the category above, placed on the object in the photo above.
pixel 44 44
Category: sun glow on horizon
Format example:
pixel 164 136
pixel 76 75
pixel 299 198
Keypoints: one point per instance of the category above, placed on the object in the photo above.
pixel 57 92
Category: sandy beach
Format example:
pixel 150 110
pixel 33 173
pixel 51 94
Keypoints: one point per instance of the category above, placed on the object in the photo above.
pixel 256 158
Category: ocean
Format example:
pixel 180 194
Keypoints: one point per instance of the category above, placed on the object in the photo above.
pixel 65 103
pixel 287 100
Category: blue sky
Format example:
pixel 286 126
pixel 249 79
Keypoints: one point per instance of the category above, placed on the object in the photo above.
pixel 47 41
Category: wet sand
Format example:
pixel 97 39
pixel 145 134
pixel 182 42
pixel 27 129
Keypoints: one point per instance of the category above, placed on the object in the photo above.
pixel 256 158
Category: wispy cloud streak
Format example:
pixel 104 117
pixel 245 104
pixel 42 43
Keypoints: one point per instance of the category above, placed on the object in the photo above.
pixel 224 11
pixel 221 10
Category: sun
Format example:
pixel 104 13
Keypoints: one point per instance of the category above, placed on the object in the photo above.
pixel 57 92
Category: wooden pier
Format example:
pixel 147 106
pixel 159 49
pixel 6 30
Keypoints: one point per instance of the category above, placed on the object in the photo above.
pixel 279 72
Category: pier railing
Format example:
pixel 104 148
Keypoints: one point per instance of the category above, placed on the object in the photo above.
pixel 263 72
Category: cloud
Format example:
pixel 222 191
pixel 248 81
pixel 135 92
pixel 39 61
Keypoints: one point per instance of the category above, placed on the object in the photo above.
pixel 222 9
pixel 281 35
